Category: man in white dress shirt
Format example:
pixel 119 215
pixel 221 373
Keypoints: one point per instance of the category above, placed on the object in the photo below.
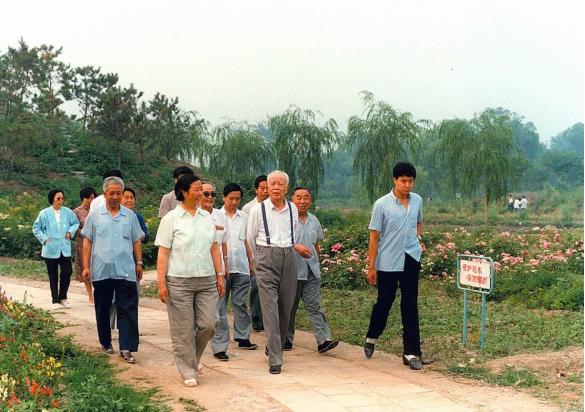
pixel 271 228
pixel 261 189
pixel 240 260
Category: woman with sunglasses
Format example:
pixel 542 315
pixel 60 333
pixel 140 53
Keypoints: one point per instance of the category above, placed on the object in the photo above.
pixel 189 275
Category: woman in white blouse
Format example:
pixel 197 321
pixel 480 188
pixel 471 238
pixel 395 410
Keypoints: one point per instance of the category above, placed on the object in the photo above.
pixel 190 279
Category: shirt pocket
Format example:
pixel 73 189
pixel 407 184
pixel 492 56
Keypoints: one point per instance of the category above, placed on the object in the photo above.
pixel 127 232
pixel 393 219
pixel 242 233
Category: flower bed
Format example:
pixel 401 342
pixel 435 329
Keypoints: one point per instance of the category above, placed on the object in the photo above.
pixel 539 267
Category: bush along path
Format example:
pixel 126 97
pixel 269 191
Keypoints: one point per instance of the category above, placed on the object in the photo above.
pixel 40 370
pixel 341 380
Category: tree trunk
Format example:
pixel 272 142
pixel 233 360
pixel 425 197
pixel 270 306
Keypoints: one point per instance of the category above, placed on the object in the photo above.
pixel 485 208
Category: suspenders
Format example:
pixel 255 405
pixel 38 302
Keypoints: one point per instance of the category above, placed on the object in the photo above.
pixel 265 221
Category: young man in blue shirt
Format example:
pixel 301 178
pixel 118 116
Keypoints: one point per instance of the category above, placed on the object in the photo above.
pixel 394 254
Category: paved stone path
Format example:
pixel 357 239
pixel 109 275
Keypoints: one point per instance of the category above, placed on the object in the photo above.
pixel 342 380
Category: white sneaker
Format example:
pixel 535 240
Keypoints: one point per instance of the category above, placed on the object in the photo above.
pixel 56 306
pixel 190 382
pixel 200 369
pixel 65 304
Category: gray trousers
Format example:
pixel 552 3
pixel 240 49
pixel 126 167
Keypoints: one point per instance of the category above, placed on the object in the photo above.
pixel 310 292
pixel 277 282
pixel 192 309
pixel 238 285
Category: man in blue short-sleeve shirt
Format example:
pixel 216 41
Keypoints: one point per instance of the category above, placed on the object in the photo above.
pixel 112 259
pixel 394 253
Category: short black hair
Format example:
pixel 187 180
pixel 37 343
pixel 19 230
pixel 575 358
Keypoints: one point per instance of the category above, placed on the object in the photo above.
pixel 129 189
pixel 232 187
pixel 52 194
pixel 182 170
pixel 260 179
pixel 404 169
pixel 87 192
pixel 301 188
pixel 113 173
pixel 183 184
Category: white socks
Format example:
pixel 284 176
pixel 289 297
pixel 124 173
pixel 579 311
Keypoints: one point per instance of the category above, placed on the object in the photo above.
pixel 371 340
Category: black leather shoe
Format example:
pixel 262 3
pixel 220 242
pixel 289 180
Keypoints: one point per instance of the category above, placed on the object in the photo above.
pixel 369 349
pixel 275 370
pixel 258 327
pixel 414 363
pixel 327 345
pixel 222 356
pixel 108 349
pixel 287 345
pixel 246 344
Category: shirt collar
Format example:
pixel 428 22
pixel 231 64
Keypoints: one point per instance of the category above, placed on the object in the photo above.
pixel 238 212
pixel 123 210
pixel 271 205
pixel 393 196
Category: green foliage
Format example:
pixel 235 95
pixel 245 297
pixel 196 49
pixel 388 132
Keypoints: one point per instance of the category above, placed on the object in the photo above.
pixel 42 371
pixel 570 140
pixel 301 146
pixel 382 138
pixel 474 149
pixel 238 154
pixel 563 168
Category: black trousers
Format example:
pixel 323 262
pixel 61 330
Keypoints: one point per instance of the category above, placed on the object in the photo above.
pixel 126 307
pixel 59 287
pixel 388 283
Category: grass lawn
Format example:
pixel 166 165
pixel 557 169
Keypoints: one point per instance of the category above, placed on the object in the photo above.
pixel 23 268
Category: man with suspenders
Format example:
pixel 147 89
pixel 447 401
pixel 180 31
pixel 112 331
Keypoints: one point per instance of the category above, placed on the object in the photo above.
pixel 270 234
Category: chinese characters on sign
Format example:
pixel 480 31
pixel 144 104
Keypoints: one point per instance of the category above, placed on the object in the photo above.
pixel 475 273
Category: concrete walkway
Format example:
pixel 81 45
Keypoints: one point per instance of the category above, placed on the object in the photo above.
pixel 342 380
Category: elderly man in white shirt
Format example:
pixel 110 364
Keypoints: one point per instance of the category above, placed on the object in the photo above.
pixel 220 220
pixel 271 229
pixel 240 260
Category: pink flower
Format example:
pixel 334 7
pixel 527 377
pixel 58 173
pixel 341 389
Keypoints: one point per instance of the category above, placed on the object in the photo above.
pixel 336 247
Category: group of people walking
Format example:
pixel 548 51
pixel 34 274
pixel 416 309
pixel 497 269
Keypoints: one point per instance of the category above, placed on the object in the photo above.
pixel 266 254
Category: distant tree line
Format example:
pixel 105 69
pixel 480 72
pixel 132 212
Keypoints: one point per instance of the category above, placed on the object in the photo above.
pixel 495 152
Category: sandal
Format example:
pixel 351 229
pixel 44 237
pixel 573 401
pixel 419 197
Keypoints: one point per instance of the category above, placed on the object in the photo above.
pixel 127 356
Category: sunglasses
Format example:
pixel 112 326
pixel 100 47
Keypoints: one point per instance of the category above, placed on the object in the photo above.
pixel 209 194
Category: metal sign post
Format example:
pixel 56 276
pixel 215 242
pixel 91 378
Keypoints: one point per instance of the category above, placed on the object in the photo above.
pixel 475 274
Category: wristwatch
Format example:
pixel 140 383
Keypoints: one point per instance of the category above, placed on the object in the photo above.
pixel 140 263
pixel 219 273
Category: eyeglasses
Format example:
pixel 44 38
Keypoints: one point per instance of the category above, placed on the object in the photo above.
pixel 209 194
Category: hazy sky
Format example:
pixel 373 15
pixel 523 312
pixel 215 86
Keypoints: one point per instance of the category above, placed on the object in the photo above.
pixel 244 60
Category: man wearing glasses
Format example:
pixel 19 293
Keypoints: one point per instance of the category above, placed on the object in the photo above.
pixel 219 218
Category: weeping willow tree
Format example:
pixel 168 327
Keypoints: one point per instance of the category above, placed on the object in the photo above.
pixel 382 138
pixel 301 146
pixel 238 153
pixel 479 154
